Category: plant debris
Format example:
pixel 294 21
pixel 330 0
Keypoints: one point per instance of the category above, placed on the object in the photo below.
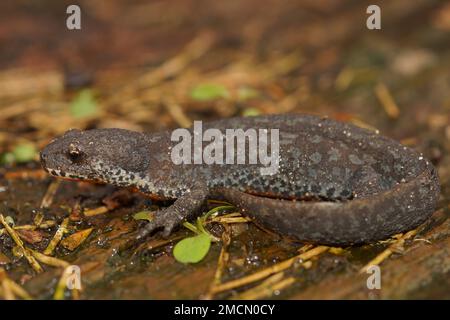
pixel 75 240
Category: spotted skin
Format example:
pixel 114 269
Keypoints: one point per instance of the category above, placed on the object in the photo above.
pixel 349 185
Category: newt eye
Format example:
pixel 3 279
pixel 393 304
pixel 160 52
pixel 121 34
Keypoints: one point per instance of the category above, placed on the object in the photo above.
pixel 75 154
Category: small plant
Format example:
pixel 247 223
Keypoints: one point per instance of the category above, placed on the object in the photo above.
pixel 21 153
pixel 83 105
pixel 208 92
pixel 194 249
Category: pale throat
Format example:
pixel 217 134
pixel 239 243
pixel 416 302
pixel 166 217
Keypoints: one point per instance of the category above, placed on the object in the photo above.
pixel 118 176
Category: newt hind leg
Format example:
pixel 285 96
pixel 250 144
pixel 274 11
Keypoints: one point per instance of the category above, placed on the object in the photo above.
pixel 184 208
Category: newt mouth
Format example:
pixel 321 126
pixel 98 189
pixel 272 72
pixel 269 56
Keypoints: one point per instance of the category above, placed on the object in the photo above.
pixel 67 176
pixel 71 177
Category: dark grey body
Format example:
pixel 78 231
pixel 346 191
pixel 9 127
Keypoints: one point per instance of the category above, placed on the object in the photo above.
pixel 351 185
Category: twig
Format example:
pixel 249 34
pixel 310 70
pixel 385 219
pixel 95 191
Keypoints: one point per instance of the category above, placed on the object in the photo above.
pixel 221 263
pixel 26 174
pixel 177 113
pixel 266 288
pixel 390 250
pixel 38 218
pixel 271 270
pixel 51 261
pixel 193 50
pixel 45 225
pixel 234 217
pixel 31 260
pixel 151 245
pixel 10 288
pixel 95 211
pixel 387 101
pixel 362 124
pixel 50 194
pixel 18 108
pixel 57 237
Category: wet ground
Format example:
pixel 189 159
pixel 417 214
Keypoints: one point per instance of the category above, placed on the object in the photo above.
pixel 155 65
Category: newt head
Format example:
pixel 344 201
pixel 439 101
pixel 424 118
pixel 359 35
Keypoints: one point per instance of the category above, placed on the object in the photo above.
pixel 99 155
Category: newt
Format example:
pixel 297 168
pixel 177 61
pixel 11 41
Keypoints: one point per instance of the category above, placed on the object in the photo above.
pixel 336 184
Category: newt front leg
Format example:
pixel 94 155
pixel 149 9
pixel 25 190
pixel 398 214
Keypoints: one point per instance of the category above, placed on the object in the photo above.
pixel 186 207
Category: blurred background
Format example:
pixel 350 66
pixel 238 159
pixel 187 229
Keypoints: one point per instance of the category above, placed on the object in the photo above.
pixel 153 65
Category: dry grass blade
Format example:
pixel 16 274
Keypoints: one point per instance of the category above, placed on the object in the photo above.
pixel 75 213
pixel 177 113
pixel 19 291
pixel 387 101
pixel 222 262
pixel 148 245
pixel 193 50
pixel 38 218
pixel 390 250
pixel 11 289
pixel 26 174
pixel 44 225
pixel 31 260
pixel 21 107
pixel 305 248
pixel 271 270
pixel 362 124
pixel 7 292
pixel 57 237
pixel 50 194
pixel 75 240
pixel 344 79
pixel 266 288
pixel 51 261
pixel 95 211
pixel 234 217
pixel 22 83
pixel 231 220
pixel 6 289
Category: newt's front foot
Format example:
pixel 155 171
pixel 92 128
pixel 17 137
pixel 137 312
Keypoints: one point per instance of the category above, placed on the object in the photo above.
pixel 184 208
pixel 166 219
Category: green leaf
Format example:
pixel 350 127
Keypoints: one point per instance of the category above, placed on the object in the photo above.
pixel 24 152
pixel 251 112
pixel 144 215
pixel 192 249
pixel 246 93
pixel 84 104
pixel 209 91
pixel 7 158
